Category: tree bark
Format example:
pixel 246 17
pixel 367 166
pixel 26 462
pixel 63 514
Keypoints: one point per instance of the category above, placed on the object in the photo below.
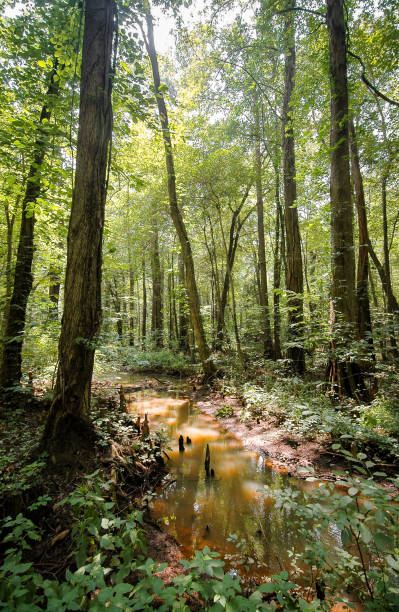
pixel 131 304
pixel 263 295
pixel 54 290
pixel 362 291
pixel 384 269
pixel 241 355
pixel 277 272
pixel 294 268
pixel 177 218
pixel 67 430
pixel 114 293
pixel 183 319
pixel 173 305
pixel 157 297
pixel 10 221
pixel 343 374
pixel 144 320
pixel 216 300
pixel 234 235
pixel 11 371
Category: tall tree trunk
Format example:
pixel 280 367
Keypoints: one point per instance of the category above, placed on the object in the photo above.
pixel 67 429
pixel 157 297
pixel 177 218
pixel 234 234
pixel 114 293
pixel 54 290
pixel 172 318
pixel 174 307
pixel 392 303
pixel 229 271
pixel 10 221
pixel 264 299
pixel 11 370
pixel 144 319
pixel 277 271
pixel 170 308
pixel 294 269
pixel 131 304
pixel 362 289
pixel 387 267
pixel 256 277
pixel 384 269
pixel 214 284
pixel 343 374
pixel 183 319
pixel 106 311
pixel 372 288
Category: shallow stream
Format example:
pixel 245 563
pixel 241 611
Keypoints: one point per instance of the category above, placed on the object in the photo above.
pixel 222 510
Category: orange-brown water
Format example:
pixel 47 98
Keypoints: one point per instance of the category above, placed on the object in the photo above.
pixel 200 510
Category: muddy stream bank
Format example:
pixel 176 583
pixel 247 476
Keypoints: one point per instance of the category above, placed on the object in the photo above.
pixel 226 511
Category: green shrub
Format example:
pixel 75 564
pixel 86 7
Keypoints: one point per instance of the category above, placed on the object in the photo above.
pixel 127 357
pixel 364 518
pixel 108 549
pixel 224 412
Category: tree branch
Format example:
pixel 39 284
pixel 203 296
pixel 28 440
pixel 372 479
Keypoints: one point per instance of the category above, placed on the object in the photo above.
pixel 302 9
pixel 370 85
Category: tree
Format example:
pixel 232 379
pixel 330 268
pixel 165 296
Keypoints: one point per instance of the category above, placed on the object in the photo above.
pixel 263 295
pixel 362 290
pixel 294 268
pixel 192 290
pixel 343 373
pixel 157 286
pixel 11 370
pixel 67 428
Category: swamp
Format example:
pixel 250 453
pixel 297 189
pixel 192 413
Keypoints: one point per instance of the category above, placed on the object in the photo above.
pixel 199 322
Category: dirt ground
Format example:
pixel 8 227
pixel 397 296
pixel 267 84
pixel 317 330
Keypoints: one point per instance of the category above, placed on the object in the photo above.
pixel 163 548
pixel 286 451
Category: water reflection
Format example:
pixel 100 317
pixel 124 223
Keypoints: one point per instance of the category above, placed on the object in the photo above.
pixel 205 511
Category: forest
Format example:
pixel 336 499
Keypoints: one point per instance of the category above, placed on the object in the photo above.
pixel 199 316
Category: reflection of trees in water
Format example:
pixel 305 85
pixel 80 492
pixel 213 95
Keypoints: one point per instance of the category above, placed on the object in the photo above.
pixel 184 504
pixel 229 503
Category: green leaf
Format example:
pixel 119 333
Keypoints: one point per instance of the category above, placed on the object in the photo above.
pixel 366 534
pixel 394 563
pixel 346 536
pixel 382 541
pixel 380 517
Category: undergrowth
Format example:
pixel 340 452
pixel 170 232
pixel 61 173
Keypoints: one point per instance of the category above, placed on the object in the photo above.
pixel 304 407
pixel 109 569
pixel 117 357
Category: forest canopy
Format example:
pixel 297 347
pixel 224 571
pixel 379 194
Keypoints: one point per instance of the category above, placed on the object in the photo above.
pixel 259 114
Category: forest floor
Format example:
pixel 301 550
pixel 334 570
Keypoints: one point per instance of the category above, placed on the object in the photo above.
pixel 121 455
pixel 285 450
pixel 134 475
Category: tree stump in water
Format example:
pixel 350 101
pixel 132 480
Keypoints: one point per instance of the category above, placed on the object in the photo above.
pixel 122 398
pixel 207 460
pixel 145 430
